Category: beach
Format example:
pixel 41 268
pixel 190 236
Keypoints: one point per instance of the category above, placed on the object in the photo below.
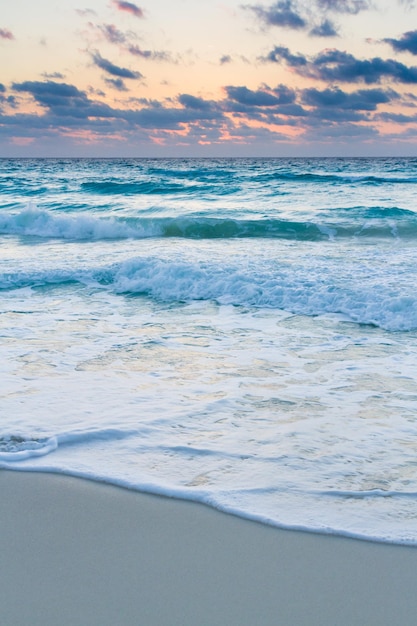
pixel 78 552
pixel 208 392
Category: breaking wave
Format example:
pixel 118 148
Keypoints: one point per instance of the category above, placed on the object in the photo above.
pixel 367 223
pixel 384 301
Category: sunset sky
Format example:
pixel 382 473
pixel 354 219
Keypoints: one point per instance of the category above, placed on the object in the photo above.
pixel 208 78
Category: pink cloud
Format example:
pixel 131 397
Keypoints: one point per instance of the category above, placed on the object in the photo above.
pixel 22 141
pixel 129 7
pixel 6 34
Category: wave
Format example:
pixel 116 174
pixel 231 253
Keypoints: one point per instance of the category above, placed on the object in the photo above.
pixel 325 515
pixel 226 178
pixel 385 302
pixel 156 187
pixel 342 178
pixel 18 447
pixel 380 223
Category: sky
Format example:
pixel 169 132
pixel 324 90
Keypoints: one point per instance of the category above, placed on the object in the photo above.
pixel 114 78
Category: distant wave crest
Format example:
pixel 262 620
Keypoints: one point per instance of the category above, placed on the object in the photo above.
pixel 155 187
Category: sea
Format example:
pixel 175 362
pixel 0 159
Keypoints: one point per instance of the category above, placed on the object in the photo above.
pixel 238 332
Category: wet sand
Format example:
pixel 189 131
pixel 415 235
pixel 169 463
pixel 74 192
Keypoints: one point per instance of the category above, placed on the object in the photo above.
pixel 78 553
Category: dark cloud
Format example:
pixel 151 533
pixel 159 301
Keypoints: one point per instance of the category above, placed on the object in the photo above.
pixel 344 6
pixel 317 114
pixel 52 75
pixel 398 118
pixel 116 83
pixel 302 14
pixel 345 131
pixel 287 114
pixel 305 108
pixel 114 70
pixel 96 92
pixel 361 100
pixel 192 102
pixel 154 55
pixel 334 65
pixel 129 7
pixel 325 29
pixel 281 53
pixel 6 100
pixel 170 118
pixel 226 58
pixel 6 34
pixel 68 107
pixel 281 13
pixel 406 43
pixel 261 97
pixel 63 100
pixel 48 91
pixel 246 96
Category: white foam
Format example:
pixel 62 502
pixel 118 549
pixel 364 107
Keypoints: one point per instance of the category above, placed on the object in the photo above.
pixel 40 223
pixel 16 448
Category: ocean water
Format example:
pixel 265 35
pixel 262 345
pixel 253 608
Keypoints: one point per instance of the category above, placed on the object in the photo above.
pixel 240 332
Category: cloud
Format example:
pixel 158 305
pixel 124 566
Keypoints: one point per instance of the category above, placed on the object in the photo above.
pixel 52 75
pixel 279 53
pixel 157 117
pixel 335 65
pixel 85 12
pixel 129 7
pixel 301 15
pixel 226 58
pixel 112 34
pixel 361 100
pixel 281 13
pixel 63 100
pixel 116 83
pixel 325 29
pixel 112 69
pixel 271 112
pixel 398 118
pixel 48 91
pixel 261 97
pixel 67 106
pixel 6 100
pixel 406 43
pixel 6 34
pixel 154 55
pixel 353 7
pixel 341 131
pixel 192 102
pixel 126 40
pixel 305 108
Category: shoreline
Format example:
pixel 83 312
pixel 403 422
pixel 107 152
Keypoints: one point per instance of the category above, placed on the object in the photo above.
pixel 80 553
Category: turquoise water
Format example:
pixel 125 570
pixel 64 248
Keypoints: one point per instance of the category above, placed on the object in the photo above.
pixel 241 332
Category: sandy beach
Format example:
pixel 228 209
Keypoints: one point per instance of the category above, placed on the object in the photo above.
pixel 78 553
